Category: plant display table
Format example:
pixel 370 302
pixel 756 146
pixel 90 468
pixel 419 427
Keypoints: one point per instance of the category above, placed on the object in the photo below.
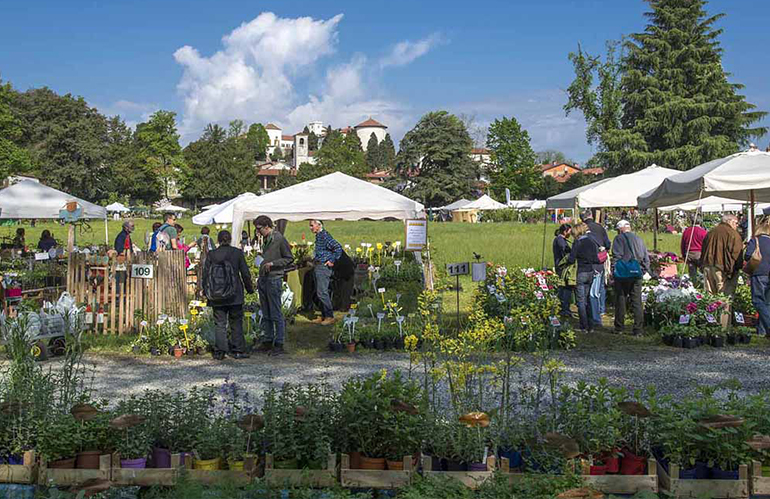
pixel 760 485
pixel 74 476
pixel 622 484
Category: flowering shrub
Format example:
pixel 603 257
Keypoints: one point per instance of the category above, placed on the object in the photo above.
pixel 667 300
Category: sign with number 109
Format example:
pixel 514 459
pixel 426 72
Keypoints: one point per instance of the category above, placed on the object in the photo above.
pixel 141 271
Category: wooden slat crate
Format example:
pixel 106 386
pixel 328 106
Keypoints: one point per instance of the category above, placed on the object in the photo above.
pixel 302 478
pixel 375 479
pixel 715 489
pixel 68 477
pixel 622 484
pixel 20 473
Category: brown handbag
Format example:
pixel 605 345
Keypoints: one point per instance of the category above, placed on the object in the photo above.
pixel 756 258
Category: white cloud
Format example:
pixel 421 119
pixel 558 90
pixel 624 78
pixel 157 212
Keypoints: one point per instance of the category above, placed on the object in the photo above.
pixel 262 67
pixel 132 113
pixel 405 52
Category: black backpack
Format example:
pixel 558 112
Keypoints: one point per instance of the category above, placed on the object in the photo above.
pixel 220 281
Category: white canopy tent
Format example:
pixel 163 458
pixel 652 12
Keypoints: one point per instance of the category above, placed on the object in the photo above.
pixel 456 205
pixel 171 208
pixel 116 207
pixel 744 176
pixel 616 192
pixel 221 213
pixel 331 197
pixel 484 203
pixel 711 204
pixel 209 206
pixel 527 204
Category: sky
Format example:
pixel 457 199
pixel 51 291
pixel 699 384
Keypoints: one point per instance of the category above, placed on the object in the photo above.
pixel 294 61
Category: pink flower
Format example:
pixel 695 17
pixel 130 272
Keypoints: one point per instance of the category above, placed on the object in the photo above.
pixel 699 296
pixel 692 307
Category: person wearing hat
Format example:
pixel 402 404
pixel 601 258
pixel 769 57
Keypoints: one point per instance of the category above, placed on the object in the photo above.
pixel 598 294
pixel 630 261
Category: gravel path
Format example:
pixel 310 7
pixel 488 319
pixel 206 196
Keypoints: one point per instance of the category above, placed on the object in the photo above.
pixel 672 371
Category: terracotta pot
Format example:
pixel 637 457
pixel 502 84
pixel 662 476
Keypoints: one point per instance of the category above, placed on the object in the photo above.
pixel 355 460
pixel 88 460
pixel 395 465
pixel 178 352
pixel 63 464
pixel 372 463
pixel 351 347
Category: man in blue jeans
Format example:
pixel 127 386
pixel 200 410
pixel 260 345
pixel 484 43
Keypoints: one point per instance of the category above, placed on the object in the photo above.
pixel 276 255
pixel 598 294
pixel 327 252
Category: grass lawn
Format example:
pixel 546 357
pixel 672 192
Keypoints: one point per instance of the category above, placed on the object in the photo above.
pixel 509 244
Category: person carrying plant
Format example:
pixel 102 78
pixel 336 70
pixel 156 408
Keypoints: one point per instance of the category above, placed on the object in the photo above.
pixel 758 265
pixel 276 254
pixel 327 252
pixel 225 275
pixel 598 295
pixel 721 260
pixel 562 249
pixel 630 262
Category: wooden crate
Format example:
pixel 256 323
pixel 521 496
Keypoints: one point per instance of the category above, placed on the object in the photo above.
pixel 302 478
pixel 622 484
pixel 760 485
pixel 375 479
pixel 715 489
pixel 147 477
pixel 68 477
pixel 20 473
pixel 471 479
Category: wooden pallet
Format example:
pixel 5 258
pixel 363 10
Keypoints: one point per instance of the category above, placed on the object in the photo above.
pixel 75 476
pixel 622 484
pixel 760 485
pixel 20 473
pixel 302 478
pixel 471 479
pixel 375 479
pixel 715 489
pixel 147 477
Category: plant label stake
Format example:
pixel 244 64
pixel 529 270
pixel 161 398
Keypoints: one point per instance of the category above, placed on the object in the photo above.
pixel 398 297
pixel 381 291
pixel 458 269
pixel 739 318
pixel 370 310
pixel 380 316
pixel 353 321
pixel 397 263
pixel 684 319
pixel 260 316
pixel 710 319
pixel 399 321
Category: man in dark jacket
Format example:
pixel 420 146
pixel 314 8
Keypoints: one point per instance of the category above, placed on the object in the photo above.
pixel 626 247
pixel 123 243
pixel 721 258
pixel 602 240
pixel 276 255
pixel 229 309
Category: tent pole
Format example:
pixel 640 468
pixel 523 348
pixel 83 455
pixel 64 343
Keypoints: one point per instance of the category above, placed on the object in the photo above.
pixel 655 232
pixel 694 222
pixel 751 216
pixel 106 232
pixel 545 228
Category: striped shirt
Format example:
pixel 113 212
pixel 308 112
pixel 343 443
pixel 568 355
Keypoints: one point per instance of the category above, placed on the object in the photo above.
pixel 326 248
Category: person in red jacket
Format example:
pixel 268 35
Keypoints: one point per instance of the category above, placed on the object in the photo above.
pixel 691 247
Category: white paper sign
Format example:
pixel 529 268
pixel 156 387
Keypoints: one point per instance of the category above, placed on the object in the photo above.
pixel 555 321
pixel 89 317
pixel 141 271
pixel 100 318
pixel 710 319
pixel 479 271
pixel 183 322
pixel 380 315
pixel 416 235
pixel 739 318
pixel 42 256
pixel 381 290
pixel 684 319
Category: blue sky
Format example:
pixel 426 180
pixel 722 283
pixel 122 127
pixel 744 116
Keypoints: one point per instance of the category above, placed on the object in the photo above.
pixel 395 60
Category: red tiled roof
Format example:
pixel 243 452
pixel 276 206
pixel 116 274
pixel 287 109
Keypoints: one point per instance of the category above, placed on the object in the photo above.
pixel 370 123
pixel 593 171
pixel 346 130
pixel 548 166
pixel 273 173
pixel 287 137
pixel 480 150
pixel 379 174
pixel 270 126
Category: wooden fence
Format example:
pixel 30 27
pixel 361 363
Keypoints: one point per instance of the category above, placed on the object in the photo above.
pixel 119 307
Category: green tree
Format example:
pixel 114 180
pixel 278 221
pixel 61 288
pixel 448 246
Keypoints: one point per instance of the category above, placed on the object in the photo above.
pixel 339 153
pixel 312 142
pixel 286 179
pixel 388 153
pixel 277 154
pixel 158 145
pixel 578 179
pixel 434 164
pixel 239 161
pixel 373 154
pixel 206 172
pixel 551 156
pixel 129 176
pixel 513 160
pixel 13 157
pixel 258 141
pixel 548 187
pixel 666 99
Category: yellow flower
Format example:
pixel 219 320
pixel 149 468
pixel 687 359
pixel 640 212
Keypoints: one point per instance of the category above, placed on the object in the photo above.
pixel 379 246
pixel 194 312
pixel 359 250
pixel 410 342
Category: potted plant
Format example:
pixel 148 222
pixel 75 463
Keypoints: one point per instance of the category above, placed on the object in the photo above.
pixel 636 437
pixel 210 443
pixel 131 440
pixel 280 435
pixel 58 440
pixel 94 435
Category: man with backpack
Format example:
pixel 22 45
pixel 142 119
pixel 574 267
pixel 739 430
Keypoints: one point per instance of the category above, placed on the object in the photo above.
pixel 164 238
pixel 276 256
pixel 630 263
pixel 225 275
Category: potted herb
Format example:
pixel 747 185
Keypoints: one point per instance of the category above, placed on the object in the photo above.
pixel 131 440
pixel 210 443
pixel 58 440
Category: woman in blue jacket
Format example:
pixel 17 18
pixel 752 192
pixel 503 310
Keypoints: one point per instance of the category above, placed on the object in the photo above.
pixel 760 279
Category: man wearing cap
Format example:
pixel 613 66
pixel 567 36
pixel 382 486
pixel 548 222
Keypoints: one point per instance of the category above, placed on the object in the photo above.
pixel 599 298
pixel 626 247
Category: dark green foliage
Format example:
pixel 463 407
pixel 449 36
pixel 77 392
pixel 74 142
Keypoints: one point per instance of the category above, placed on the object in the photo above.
pixel 339 153
pixel 513 160
pixel 258 141
pixel 434 164
pixel 373 154
pixel 157 143
pixel 387 153
pixel 666 98
pixel 13 158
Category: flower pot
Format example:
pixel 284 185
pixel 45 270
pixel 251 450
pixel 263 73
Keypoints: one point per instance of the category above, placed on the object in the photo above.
pixel 136 349
pixel 677 342
pixel 351 347
pixel 395 465
pixel 631 464
pixel 689 343
pixel 88 460
pixel 514 457
pixel 235 465
pixel 612 462
pixel 200 350
pixel 63 464
pixel 287 464
pixel 379 344
pixel 161 458
pixel 178 352
pixel 477 466
pixel 719 474
pixel 717 341
pixel 154 351
pixel 731 339
pixel 336 347
pixel 398 344
pixel 207 464
pixel 389 343
pixel 745 339
pixel 668 339
pixel 702 471
pixel 372 463
pixel 355 460
pixel 452 465
pixel 598 470
pixel 15 460
pixel 687 474
pixel 140 463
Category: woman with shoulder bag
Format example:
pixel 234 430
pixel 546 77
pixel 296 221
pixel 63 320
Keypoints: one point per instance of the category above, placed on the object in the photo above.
pixel 585 252
pixel 561 250
pixel 758 266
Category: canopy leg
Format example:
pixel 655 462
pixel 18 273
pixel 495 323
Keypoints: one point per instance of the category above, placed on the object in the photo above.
pixel 545 229
pixel 655 232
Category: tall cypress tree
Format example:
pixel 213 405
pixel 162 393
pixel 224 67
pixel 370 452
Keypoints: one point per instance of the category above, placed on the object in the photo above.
pixel 387 153
pixel 373 156
pixel 677 107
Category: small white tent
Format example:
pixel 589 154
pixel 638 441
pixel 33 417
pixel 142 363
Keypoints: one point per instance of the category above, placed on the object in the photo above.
pixel 29 199
pixel 455 206
pixel 171 208
pixel 526 204
pixel 711 204
pixel 743 176
pixel 221 213
pixel 331 197
pixel 116 207
pixel 615 192
pixel 484 203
